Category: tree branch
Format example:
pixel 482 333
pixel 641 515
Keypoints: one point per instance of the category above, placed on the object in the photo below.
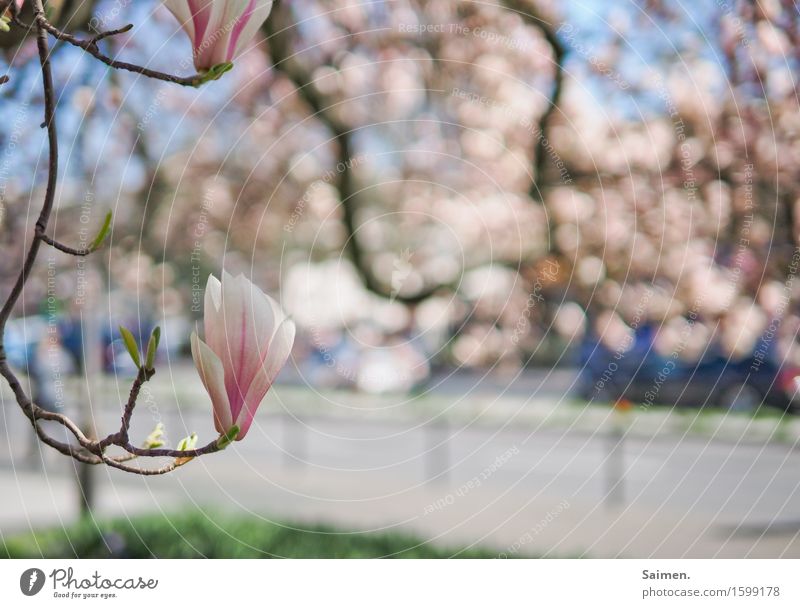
pixel 90 46
pixel 87 450
pixel 52 170
pixel 529 14
pixel 277 29
pixel 61 247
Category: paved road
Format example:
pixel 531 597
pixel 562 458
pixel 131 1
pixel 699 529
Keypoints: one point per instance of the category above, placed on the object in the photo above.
pixel 524 489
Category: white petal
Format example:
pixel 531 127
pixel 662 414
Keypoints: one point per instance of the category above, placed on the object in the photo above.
pixel 213 377
pixel 232 325
pixel 180 9
pixel 213 319
pixel 257 19
pixel 279 351
pixel 213 292
pixel 263 318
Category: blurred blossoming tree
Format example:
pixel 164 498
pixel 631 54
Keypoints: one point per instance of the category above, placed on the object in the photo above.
pixel 498 178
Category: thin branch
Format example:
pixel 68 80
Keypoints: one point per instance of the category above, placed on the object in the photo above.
pixel 90 46
pixel 52 171
pixel 117 464
pixel 43 414
pixel 209 448
pixel 103 35
pixel 61 247
pixel 65 448
pixel 142 377
pixel 125 458
pixel 122 438
pixel 34 413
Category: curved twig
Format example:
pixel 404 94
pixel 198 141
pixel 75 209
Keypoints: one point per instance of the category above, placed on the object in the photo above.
pixel 117 464
pixel 61 247
pixel 209 448
pixel 90 46
pixel 52 169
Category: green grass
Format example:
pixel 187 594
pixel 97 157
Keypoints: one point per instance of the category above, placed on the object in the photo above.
pixel 198 534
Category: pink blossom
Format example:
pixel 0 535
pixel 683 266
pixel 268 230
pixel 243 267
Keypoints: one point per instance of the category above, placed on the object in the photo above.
pixel 219 29
pixel 247 341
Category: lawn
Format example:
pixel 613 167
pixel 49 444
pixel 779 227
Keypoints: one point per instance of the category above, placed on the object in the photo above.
pixel 198 534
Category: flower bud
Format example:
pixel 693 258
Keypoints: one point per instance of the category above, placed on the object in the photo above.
pixel 247 341
pixel 219 29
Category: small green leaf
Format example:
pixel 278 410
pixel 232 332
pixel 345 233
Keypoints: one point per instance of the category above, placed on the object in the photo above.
pixel 152 347
pixel 4 27
pixel 154 440
pixel 130 344
pixel 105 229
pixel 188 443
pixel 213 73
pixel 226 439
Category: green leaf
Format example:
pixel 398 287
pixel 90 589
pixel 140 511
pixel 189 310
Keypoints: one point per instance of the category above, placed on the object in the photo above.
pixel 225 440
pixel 105 229
pixel 130 344
pixel 154 440
pixel 214 73
pixel 188 443
pixel 4 27
pixel 152 347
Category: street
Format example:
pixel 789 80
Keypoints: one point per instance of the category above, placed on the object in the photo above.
pixel 519 486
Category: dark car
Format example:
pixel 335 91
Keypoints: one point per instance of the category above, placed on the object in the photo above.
pixel 642 375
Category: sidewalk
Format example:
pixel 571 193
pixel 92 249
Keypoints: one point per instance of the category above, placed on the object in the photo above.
pixel 523 489
pixel 512 522
pixel 524 508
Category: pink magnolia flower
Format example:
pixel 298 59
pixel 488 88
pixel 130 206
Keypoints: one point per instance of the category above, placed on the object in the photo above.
pixel 247 340
pixel 219 29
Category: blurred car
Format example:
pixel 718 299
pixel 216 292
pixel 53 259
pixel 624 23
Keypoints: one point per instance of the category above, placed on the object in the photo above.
pixel 642 375
pixel 21 338
pixel 24 335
